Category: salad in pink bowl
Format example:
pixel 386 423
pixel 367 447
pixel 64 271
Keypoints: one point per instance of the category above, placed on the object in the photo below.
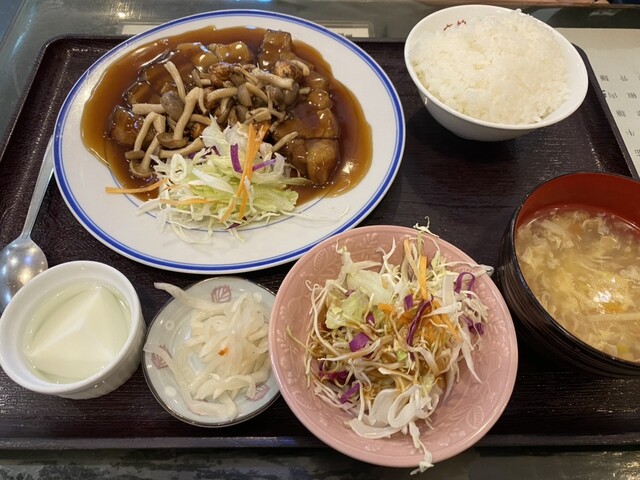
pixel 393 346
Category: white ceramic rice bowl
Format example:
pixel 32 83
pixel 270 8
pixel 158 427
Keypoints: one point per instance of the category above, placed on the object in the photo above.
pixel 471 128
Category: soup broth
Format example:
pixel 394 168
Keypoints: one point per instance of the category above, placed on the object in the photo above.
pixel 584 268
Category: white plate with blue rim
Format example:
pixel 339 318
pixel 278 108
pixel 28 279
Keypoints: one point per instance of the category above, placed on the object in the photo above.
pixel 171 328
pixel 114 219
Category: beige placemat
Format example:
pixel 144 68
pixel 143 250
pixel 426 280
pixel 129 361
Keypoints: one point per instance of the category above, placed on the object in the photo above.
pixel 614 55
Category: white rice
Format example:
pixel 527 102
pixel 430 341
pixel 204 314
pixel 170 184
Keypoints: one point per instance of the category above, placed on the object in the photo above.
pixel 505 68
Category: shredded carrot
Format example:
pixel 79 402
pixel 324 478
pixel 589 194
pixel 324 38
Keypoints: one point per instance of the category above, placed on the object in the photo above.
pixel 386 308
pixel 407 248
pixel 430 333
pixel 227 213
pixel 445 322
pixel 248 159
pixel 405 318
pixel 422 280
pixel 254 140
pixel 146 188
pixel 243 205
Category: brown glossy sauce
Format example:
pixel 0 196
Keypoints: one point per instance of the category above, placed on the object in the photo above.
pixel 113 88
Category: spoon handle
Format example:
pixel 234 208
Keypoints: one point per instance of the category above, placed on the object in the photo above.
pixel 46 169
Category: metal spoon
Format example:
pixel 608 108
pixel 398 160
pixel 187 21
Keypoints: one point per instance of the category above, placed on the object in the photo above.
pixel 22 259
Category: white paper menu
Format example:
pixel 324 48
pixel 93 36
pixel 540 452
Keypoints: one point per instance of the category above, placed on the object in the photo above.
pixel 614 55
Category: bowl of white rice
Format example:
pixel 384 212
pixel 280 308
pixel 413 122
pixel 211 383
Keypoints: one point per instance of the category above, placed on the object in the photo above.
pixel 491 73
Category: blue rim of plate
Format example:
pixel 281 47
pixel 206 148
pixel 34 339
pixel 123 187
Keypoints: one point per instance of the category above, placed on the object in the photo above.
pixel 144 258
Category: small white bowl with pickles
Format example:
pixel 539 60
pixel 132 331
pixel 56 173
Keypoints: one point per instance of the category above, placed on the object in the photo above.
pixel 75 331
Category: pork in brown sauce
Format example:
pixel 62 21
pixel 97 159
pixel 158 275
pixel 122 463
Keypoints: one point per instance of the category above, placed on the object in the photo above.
pixel 231 83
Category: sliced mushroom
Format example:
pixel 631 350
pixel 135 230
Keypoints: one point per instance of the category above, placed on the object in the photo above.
pixel 274 94
pixel 137 170
pixel 134 154
pixel 167 87
pixel 146 108
pixel 244 71
pixel 241 112
pixel 258 115
pixel 144 129
pixel 305 68
pixel 214 96
pixel 200 119
pixel 189 106
pixel 160 123
pixel 142 168
pixel 284 140
pixel 237 79
pixel 175 74
pixel 167 141
pixel 287 69
pixel 220 73
pixel 232 117
pixel 172 104
pixel 284 83
pixel 223 110
pixel 195 75
pixel 291 96
pixel 201 105
pixel 256 91
pixel 277 113
pixel 244 97
pixel 193 147
pixel 196 129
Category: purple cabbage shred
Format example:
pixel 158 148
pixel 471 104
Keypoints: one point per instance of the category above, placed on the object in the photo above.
pixel 408 302
pixel 344 398
pixel 416 321
pixel 371 320
pixel 235 158
pixel 359 341
pixel 473 327
pixel 459 280
pixel 266 163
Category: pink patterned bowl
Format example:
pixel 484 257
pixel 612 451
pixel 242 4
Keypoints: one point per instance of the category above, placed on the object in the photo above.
pixel 471 409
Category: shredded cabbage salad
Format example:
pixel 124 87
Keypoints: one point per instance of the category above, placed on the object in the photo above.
pixel 227 354
pixel 235 180
pixel 387 340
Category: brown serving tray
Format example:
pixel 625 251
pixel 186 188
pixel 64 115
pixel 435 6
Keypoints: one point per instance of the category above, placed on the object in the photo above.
pixel 468 190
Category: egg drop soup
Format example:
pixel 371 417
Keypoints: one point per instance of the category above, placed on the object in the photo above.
pixel 584 268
